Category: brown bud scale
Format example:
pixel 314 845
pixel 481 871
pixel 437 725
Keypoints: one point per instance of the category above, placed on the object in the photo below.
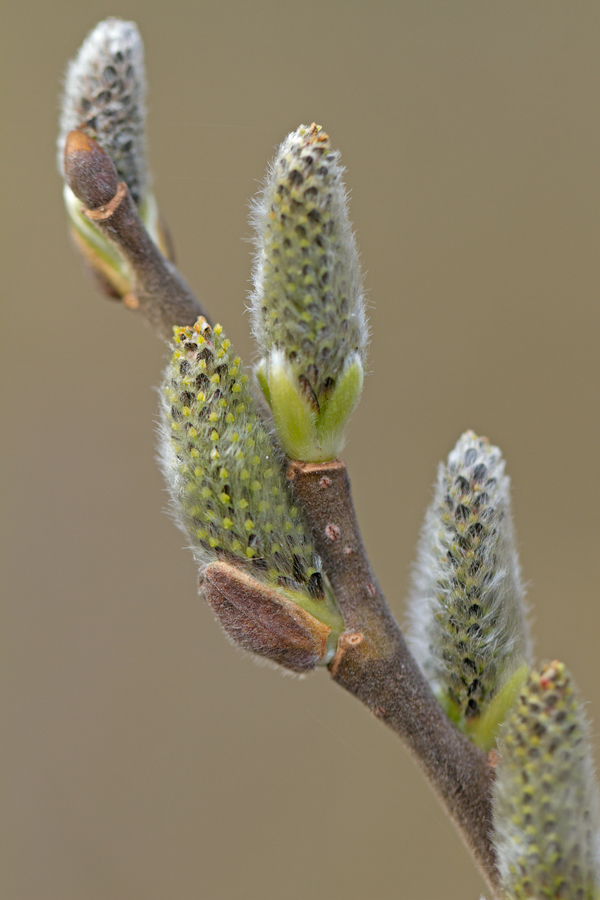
pixel 262 619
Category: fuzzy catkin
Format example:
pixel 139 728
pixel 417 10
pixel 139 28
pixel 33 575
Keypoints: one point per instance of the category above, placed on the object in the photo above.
pixel 224 471
pixel 545 799
pixel 468 627
pixel 104 96
pixel 308 296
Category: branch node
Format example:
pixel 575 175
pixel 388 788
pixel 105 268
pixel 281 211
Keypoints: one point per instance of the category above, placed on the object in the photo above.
pixel 333 532
pixel 349 640
pixel 106 211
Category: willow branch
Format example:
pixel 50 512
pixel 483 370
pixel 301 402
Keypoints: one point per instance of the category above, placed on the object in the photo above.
pixel 374 664
pixel 372 661
pixel 158 292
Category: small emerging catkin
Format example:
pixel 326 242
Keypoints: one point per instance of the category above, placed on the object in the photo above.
pixel 105 88
pixel 224 474
pixel 308 306
pixel 545 799
pixel 468 625
pixel 104 97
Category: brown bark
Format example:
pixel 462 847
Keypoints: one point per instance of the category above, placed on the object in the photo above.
pixel 158 291
pixel 374 664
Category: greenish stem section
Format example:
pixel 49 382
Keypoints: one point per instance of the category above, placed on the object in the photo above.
pixel 307 431
pixel 484 731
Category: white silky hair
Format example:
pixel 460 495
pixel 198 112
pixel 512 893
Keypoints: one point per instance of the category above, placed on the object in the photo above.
pixel 335 193
pixel 504 634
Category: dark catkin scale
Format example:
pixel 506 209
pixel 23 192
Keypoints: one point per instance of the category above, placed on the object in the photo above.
pixel 308 298
pixel 545 799
pixel 223 469
pixel 468 625
pixel 470 532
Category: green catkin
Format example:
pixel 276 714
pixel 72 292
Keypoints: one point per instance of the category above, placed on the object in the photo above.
pixel 307 306
pixel 545 799
pixel 468 625
pixel 224 473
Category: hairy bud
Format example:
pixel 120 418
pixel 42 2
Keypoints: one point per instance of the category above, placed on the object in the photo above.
pixel 225 478
pixel 545 799
pixel 104 98
pixel 262 619
pixel 468 625
pixel 307 305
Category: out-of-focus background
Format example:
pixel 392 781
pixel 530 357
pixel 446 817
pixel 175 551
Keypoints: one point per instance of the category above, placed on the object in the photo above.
pixel 144 757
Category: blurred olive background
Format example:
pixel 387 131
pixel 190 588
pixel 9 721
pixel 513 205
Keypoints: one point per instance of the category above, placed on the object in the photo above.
pixel 144 757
